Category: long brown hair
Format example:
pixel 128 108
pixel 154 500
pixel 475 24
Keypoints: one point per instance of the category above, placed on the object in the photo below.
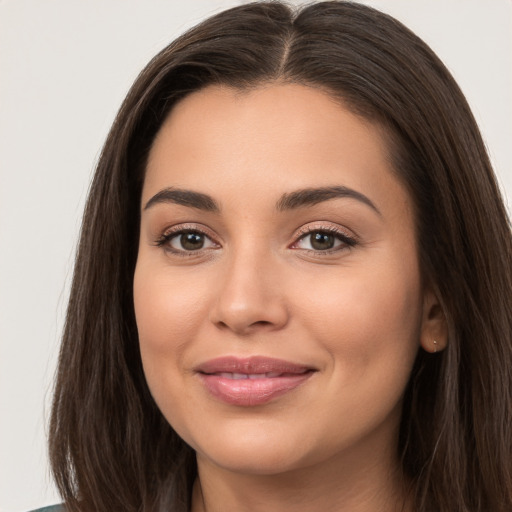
pixel 111 449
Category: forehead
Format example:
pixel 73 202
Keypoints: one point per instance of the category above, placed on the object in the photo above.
pixel 268 140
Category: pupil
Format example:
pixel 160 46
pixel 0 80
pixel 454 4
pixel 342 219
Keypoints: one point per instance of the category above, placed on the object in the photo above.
pixel 192 241
pixel 322 241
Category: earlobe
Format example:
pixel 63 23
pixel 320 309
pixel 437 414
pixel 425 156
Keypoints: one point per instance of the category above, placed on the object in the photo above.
pixel 434 329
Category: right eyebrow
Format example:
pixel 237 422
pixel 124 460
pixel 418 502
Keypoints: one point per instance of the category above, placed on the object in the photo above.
pixel 185 198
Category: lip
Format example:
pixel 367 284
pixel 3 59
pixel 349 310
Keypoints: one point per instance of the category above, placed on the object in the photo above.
pixel 251 381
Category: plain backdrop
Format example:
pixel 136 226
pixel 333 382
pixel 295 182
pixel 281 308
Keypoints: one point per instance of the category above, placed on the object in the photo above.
pixel 65 66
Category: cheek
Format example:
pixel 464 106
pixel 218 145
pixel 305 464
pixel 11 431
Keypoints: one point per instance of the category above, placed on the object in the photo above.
pixel 169 313
pixel 369 321
pixel 166 308
pixel 369 327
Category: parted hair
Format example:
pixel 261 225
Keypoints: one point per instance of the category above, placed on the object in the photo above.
pixel 110 447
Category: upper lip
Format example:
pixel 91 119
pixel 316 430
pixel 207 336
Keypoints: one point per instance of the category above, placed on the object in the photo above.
pixel 251 365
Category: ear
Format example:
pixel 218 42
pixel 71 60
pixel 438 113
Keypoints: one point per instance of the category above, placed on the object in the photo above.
pixel 434 328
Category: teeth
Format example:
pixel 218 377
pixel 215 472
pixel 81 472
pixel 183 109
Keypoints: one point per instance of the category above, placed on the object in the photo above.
pixel 253 376
pixel 235 376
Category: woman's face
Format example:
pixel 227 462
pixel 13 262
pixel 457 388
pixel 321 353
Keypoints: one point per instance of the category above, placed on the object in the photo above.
pixel 277 290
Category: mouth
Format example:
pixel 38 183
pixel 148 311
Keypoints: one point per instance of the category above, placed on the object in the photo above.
pixel 267 375
pixel 251 381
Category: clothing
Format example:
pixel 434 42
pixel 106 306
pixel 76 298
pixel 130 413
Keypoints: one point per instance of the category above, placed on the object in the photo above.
pixel 51 508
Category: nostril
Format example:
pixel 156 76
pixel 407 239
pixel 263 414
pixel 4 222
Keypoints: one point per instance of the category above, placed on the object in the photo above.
pixel 245 329
pixel 261 322
pixel 248 313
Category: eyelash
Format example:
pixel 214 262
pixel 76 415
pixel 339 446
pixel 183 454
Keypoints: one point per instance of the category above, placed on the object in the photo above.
pixel 346 240
pixel 168 235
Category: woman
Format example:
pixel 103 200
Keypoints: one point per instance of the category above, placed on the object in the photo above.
pixel 293 283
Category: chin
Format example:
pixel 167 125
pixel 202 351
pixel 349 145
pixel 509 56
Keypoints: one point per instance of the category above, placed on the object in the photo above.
pixel 255 451
pixel 251 462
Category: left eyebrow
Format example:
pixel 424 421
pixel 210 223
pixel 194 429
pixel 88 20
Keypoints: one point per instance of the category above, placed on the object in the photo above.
pixel 312 196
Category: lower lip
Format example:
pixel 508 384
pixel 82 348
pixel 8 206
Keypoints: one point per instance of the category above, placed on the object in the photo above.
pixel 251 392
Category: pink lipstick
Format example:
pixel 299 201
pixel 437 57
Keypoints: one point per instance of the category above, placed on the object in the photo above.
pixel 251 381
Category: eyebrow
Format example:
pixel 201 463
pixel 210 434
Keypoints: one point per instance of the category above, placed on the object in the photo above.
pixel 185 198
pixel 289 201
pixel 312 196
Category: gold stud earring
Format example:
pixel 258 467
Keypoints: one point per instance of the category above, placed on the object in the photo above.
pixel 435 346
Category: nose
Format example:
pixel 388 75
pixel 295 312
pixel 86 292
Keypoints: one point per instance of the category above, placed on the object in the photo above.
pixel 250 296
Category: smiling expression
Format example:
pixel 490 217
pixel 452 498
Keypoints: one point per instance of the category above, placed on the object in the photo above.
pixel 277 290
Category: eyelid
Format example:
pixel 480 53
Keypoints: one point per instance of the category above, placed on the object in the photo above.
pixel 324 226
pixel 188 226
pixel 172 231
pixel 349 238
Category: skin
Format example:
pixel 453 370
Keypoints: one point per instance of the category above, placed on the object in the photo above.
pixel 357 313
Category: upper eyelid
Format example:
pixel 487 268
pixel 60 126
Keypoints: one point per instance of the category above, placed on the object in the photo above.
pixel 348 238
pixel 299 233
pixel 324 226
pixel 179 228
pixel 167 234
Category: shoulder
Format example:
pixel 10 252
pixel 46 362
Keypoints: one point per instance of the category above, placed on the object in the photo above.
pixel 51 508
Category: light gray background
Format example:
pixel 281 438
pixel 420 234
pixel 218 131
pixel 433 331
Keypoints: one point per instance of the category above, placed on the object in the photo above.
pixel 65 66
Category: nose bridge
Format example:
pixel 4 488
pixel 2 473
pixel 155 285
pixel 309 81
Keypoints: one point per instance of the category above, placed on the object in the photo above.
pixel 249 296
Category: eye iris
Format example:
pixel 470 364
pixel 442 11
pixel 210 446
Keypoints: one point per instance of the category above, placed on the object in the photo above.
pixel 321 241
pixel 192 241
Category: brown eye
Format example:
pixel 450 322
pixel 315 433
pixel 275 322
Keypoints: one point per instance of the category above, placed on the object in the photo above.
pixel 321 241
pixel 187 241
pixel 324 240
pixel 191 241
